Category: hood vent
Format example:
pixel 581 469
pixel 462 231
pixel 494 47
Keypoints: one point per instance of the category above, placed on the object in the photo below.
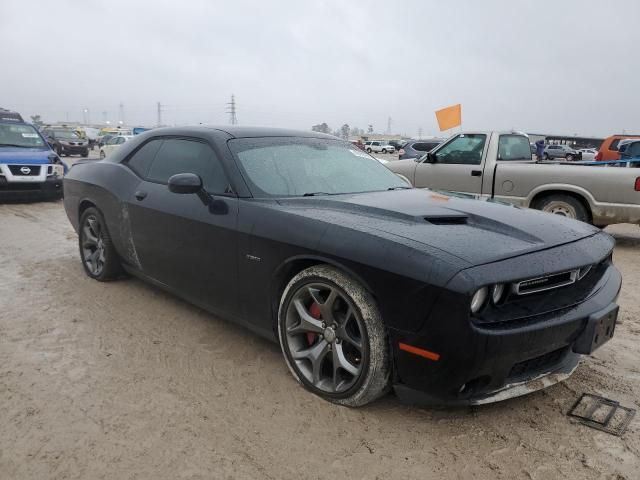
pixel 457 220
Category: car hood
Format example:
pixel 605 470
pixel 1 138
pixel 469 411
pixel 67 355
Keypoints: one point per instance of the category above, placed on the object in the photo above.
pixel 32 156
pixel 474 231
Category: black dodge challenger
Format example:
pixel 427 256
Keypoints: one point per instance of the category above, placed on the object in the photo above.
pixel 365 282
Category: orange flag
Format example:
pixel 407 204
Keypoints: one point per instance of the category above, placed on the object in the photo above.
pixel 449 117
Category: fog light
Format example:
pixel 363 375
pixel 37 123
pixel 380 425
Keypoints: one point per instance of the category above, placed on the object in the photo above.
pixel 497 291
pixel 477 302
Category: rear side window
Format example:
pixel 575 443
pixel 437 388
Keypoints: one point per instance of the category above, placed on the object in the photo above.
pixel 514 147
pixel 614 144
pixel 424 147
pixel 633 150
pixel 178 155
pixel 141 160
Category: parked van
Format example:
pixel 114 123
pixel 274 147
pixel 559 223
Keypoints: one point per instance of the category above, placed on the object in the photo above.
pixel 609 148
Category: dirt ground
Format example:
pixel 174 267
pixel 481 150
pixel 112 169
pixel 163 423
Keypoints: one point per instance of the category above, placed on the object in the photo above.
pixel 123 381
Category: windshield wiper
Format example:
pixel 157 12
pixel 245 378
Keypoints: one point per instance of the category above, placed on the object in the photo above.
pixel 399 188
pixel 314 194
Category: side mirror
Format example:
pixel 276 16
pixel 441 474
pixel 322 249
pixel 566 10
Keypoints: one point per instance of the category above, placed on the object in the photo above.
pixel 431 158
pixel 185 183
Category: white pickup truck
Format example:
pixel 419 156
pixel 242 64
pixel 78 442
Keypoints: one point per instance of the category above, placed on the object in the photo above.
pixel 499 165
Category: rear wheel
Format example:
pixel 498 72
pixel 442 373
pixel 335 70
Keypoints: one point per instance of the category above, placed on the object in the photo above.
pixel 99 257
pixel 564 205
pixel 332 337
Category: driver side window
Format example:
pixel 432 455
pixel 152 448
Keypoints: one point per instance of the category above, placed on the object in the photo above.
pixel 465 149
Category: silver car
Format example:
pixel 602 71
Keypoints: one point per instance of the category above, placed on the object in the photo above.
pixel 552 152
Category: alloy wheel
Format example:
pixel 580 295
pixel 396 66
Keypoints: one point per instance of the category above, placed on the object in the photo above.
pixel 93 248
pixel 324 335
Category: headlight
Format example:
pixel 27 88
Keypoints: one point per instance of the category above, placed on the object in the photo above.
pixel 497 292
pixel 58 170
pixel 477 302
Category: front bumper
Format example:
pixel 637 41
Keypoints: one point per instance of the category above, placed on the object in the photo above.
pixel 74 149
pixel 50 188
pixel 483 364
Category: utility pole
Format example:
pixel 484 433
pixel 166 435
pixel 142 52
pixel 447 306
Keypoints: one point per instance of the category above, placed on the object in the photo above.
pixel 121 113
pixel 389 126
pixel 159 105
pixel 231 110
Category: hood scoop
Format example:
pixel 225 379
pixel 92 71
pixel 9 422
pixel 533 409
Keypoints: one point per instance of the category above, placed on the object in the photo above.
pixel 447 220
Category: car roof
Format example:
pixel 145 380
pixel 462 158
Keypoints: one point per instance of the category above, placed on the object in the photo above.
pixel 247 132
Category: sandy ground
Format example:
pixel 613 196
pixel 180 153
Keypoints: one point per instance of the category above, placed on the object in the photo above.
pixel 122 381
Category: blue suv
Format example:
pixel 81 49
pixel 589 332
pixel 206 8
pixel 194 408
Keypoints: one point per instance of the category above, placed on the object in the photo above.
pixel 28 166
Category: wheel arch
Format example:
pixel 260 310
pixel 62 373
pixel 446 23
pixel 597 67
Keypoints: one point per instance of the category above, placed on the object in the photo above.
pixel 83 205
pixel 288 269
pixel 580 194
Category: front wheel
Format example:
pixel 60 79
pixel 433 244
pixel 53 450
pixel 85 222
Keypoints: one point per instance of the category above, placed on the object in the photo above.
pixel 368 150
pixel 384 150
pixel 99 257
pixel 569 157
pixel 332 337
pixel 85 154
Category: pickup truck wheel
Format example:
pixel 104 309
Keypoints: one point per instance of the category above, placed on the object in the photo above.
pixel 99 257
pixel 384 150
pixel 569 157
pixel 333 338
pixel 368 150
pixel 564 205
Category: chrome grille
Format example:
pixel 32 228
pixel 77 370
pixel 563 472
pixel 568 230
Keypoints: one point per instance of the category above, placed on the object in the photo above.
pixel 548 282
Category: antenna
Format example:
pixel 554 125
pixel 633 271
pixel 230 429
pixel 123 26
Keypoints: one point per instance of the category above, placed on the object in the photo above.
pixel 159 106
pixel 231 110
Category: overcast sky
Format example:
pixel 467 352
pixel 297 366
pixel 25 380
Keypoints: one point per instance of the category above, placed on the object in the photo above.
pixel 540 66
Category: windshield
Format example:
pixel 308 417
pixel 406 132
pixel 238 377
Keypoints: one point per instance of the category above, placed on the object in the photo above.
pixel 20 136
pixel 295 166
pixel 66 134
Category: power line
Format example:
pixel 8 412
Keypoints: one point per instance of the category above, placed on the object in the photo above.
pixel 231 110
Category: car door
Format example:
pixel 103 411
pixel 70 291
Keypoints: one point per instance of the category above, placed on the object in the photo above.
pixel 455 166
pixel 181 241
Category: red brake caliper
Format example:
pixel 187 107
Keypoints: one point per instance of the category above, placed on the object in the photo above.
pixel 314 310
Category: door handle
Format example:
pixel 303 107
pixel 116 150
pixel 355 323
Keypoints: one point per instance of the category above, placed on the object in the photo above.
pixel 476 173
pixel 140 195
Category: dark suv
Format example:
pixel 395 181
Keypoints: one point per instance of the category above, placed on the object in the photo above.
pixel 66 142
pixel 417 148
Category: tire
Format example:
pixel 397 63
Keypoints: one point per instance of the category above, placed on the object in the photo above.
pixel 565 205
pixel 384 150
pixel 545 156
pixel 332 333
pixel 102 154
pixel 569 157
pixel 93 236
pixel 368 150
pixel 85 154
